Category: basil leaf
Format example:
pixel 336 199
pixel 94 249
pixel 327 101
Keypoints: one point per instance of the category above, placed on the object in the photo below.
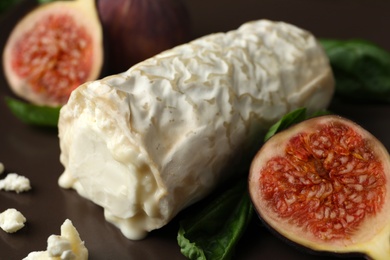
pixel 290 119
pixel 34 114
pixel 45 1
pixel 215 230
pixel 361 69
pixel 287 120
pixel 5 5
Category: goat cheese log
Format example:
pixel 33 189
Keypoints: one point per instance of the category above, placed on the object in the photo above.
pixel 146 143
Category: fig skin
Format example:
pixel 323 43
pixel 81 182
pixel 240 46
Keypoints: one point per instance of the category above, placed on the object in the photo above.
pixel 370 236
pixel 35 70
pixel 135 30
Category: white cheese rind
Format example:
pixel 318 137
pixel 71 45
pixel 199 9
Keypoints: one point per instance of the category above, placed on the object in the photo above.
pixel 146 143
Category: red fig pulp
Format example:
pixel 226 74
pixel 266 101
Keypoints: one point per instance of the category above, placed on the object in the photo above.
pixel 325 184
pixel 139 29
pixel 53 50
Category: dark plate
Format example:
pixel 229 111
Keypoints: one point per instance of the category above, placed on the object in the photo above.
pixel 34 152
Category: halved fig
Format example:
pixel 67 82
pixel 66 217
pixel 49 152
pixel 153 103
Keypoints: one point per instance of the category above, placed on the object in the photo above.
pixel 52 50
pixel 325 184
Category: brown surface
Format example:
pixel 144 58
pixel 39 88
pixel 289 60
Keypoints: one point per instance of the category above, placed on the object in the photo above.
pixel 34 152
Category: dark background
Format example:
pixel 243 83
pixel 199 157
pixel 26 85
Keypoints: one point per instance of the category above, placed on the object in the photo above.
pixel 34 152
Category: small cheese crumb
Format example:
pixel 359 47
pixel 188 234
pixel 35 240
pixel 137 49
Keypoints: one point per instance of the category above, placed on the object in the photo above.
pixel 1 167
pixel 11 220
pixel 56 245
pixel 38 255
pixel 68 255
pixel 67 246
pixel 15 182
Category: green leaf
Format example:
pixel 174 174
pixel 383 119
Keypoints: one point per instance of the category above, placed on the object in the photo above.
pixel 287 120
pixel 361 69
pixel 290 119
pixel 5 5
pixel 215 230
pixel 45 1
pixel 34 114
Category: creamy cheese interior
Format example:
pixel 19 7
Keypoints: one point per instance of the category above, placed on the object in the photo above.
pixel 146 143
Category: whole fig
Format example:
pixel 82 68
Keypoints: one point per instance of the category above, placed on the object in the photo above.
pixel 135 30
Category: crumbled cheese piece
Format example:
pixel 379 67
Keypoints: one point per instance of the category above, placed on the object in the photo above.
pixel 15 182
pixel 68 255
pixel 38 255
pixel 56 245
pixel 1 167
pixel 11 220
pixel 67 246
